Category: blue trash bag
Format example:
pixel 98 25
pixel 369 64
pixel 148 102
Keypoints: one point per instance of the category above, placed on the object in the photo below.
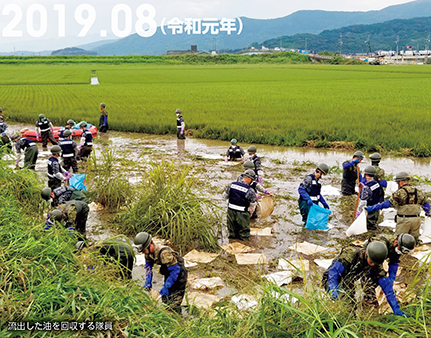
pixel 318 218
pixel 77 182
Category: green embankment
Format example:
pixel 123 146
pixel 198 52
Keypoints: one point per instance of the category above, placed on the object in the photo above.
pixel 375 108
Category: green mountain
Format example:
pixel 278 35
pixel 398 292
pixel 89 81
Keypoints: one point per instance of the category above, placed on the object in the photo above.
pixel 312 22
pixel 411 32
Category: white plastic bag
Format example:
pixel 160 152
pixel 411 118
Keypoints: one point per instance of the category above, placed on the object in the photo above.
pixel 391 188
pixel 359 226
pixel 426 231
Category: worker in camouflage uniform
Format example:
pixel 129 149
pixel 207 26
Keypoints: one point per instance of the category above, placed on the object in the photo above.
pixel 258 169
pixel 397 246
pixel 350 174
pixel 3 125
pixel 72 214
pixel 380 173
pixel 5 143
pixel 241 205
pixel 354 264
pixel 371 194
pixel 103 120
pixel 309 191
pixel 61 195
pixel 30 150
pixel 45 129
pixel 171 267
pixel 112 250
pixel 408 201
pixel 234 152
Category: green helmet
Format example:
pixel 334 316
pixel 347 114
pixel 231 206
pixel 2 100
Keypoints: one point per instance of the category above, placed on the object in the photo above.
pixel 233 141
pixel 83 124
pixel 143 241
pixel 70 122
pixel 66 133
pixel 41 116
pixel 56 215
pixel 250 173
pixel 252 150
pixel 377 252
pixel 359 154
pixel 55 149
pixel 406 243
pixel 323 167
pixel 370 171
pixel 248 165
pixel 401 176
pixel 375 157
pixel 80 245
pixel 102 104
pixel 178 111
pixel 46 193
pixel 14 136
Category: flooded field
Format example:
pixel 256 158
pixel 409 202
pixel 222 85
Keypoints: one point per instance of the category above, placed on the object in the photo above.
pixel 284 169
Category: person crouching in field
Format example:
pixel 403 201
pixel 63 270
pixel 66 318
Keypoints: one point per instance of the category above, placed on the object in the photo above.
pixel 30 148
pixel 171 267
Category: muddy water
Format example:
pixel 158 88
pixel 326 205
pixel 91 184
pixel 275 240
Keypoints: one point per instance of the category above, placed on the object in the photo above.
pixel 284 169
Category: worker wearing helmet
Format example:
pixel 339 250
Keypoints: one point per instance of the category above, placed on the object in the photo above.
pixel 180 124
pixel 45 129
pixel 241 205
pixel 309 191
pixel 69 150
pixel 61 195
pixel 72 214
pixel 365 265
pixel 258 169
pixel 86 144
pixel 30 150
pixel 380 173
pixel 171 267
pixel 5 143
pixel 3 125
pixel 69 126
pixel 350 174
pixel 397 246
pixel 407 200
pixel 113 250
pixel 56 173
pixel 371 194
pixel 257 187
pixel 103 120
pixel 234 152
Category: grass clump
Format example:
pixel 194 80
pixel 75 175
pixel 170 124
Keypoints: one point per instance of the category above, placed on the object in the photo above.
pixel 107 183
pixel 167 207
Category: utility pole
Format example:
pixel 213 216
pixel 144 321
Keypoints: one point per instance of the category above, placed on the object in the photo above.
pixel 341 42
pixel 427 47
pixel 397 41
pixel 367 42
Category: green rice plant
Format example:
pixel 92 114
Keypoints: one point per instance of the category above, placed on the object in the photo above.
pixel 107 185
pixel 369 108
pixel 168 207
pixel 24 185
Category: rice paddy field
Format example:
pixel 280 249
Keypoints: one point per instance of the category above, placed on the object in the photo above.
pixel 372 107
